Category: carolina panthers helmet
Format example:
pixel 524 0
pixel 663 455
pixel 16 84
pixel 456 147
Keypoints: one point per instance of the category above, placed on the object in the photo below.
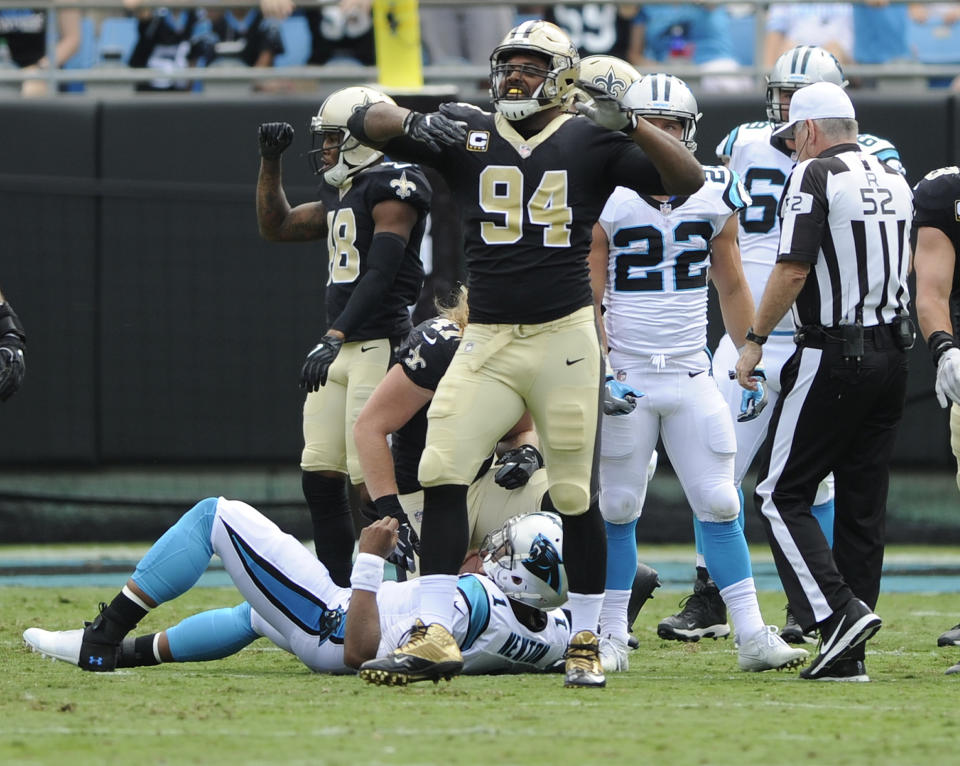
pixel 663 95
pixel 560 72
pixel 524 559
pixel 795 69
pixel 609 73
pixel 332 118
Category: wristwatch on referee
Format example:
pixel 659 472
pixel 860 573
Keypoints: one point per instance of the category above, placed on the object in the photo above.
pixel 754 338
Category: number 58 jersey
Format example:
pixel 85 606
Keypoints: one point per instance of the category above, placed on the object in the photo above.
pixel 659 253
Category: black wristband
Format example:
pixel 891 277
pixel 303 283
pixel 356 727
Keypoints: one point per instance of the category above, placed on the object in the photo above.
pixel 355 124
pixel 754 338
pixel 938 343
pixel 10 323
pixel 389 505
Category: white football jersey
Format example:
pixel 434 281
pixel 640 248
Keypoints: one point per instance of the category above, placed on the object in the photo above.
pixel 656 292
pixel 491 638
pixel 764 170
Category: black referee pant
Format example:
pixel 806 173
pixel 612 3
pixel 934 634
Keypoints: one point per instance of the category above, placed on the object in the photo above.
pixel 834 414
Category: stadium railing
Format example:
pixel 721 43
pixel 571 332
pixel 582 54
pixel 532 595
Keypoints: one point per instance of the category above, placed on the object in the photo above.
pixel 464 80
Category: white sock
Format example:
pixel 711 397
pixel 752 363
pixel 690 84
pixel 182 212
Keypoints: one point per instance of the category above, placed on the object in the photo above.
pixel 584 611
pixel 613 614
pixel 437 593
pixel 741 601
pixel 701 561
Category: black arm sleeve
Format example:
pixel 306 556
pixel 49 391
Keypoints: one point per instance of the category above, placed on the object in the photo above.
pixel 383 262
pixel 398 148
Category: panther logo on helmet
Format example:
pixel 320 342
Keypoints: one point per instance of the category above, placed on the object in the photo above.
pixel 663 95
pixel 523 558
pixel 544 561
pixel 560 71
pixel 795 69
pixel 352 156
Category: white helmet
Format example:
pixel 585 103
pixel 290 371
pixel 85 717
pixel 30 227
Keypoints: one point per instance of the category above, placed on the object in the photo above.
pixel 332 118
pixel 524 559
pixel 798 68
pixel 562 68
pixel 663 95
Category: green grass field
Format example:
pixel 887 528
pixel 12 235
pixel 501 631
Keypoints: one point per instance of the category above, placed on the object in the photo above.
pixel 678 704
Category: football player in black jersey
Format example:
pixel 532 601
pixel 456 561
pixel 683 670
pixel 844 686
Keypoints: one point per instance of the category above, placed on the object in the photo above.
pixel 390 433
pixel 13 340
pixel 936 202
pixel 530 182
pixel 372 215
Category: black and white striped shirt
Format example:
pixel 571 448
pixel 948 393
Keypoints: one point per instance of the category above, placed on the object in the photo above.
pixel 849 216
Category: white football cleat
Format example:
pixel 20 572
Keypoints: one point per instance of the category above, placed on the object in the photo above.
pixel 63 645
pixel 614 655
pixel 765 650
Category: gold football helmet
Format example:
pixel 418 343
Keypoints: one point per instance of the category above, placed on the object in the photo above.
pixel 560 72
pixel 332 118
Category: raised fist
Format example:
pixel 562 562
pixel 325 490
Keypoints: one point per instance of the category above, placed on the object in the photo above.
pixel 274 138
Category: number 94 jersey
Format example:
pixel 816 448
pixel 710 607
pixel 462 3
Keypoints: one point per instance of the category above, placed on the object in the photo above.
pixel 656 292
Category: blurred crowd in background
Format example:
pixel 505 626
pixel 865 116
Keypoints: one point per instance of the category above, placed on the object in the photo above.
pixel 724 42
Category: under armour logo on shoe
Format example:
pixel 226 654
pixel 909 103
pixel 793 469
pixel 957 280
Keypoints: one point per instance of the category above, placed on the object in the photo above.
pixel 95 661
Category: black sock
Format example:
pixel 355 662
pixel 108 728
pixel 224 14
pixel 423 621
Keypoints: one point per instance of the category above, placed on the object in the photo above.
pixel 333 534
pixel 445 530
pixel 136 652
pixel 703 576
pixel 585 551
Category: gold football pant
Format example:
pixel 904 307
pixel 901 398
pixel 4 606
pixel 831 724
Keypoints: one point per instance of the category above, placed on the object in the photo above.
pixel 329 414
pixel 554 369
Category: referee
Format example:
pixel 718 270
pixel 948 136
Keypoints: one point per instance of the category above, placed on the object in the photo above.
pixel 842 264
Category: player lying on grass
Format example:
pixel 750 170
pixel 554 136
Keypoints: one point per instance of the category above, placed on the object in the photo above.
pixel 506 616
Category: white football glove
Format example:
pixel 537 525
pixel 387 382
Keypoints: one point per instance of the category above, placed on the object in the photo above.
pixel 604 109
pixel 948 377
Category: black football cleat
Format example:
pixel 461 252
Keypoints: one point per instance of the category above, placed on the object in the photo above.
pixel 702 615
pixel 793 633
pixel 845 628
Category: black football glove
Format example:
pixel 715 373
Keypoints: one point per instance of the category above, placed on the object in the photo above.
pixel 13 340
pixel 12 365
pixel 408 546
pixel 315 368
pixel 274 138
pixel 434 129
pixel 517 466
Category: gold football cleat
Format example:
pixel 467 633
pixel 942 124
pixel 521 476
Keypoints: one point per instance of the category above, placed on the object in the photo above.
pixel 583 661
pixel 430 654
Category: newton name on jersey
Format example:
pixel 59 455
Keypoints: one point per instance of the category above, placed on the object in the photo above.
pixel 659 253
pixel 489 634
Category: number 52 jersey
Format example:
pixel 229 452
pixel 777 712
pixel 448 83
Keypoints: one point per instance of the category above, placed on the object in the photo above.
pixel 656 292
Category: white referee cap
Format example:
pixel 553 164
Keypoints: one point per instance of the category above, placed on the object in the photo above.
pixel 820 101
